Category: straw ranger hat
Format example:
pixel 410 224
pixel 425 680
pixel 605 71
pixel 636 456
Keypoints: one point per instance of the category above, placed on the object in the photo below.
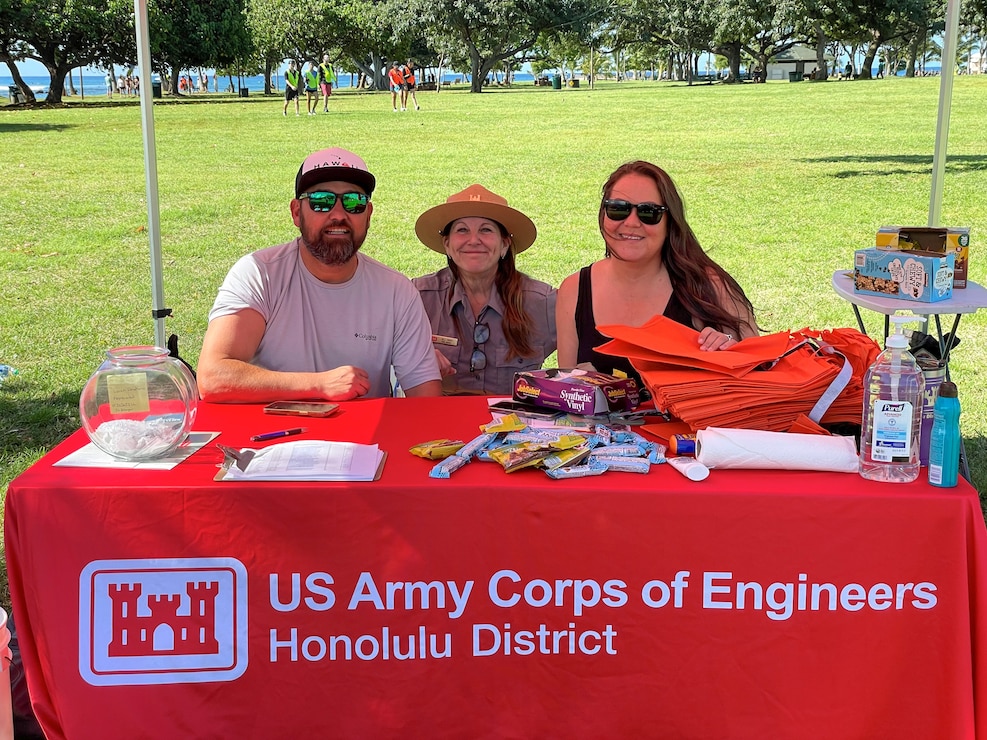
pixel 475 201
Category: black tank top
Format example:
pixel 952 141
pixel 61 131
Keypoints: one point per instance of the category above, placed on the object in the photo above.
pixel 589 337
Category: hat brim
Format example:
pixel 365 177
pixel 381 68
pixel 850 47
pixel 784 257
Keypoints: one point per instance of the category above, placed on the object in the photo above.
pixel 430 224
pixel 330 174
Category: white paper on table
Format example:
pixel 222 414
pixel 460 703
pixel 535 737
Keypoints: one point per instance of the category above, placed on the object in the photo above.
pixel 760 450
pixel 91 456
pixel 316 460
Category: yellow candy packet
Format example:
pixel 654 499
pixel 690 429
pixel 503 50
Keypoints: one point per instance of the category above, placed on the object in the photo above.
pixel 437 449
pixel 506 423
pixel 566 458
pixel 516 457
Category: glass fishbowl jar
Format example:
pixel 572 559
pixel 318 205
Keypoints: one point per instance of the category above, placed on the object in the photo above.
pixel 140 403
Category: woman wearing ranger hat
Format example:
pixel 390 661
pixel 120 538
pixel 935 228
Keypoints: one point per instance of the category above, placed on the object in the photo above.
pixel 488 319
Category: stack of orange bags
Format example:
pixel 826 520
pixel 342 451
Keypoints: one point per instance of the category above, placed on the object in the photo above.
pixel 771 382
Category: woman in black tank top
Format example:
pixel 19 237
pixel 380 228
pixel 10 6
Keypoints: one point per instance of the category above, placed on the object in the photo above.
pixel 654 265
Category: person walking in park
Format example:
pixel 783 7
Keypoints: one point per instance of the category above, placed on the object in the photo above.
pixel 327 78
pixel 292 80
pixel 410 83
pixel 311 88
pixel 398 88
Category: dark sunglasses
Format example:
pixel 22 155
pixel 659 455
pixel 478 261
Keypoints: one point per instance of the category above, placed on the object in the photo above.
pixel 478 360
pixel 647 213
pixel 323 201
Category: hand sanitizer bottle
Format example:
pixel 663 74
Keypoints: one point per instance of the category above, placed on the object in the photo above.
pixel 944 445
pixel 892 418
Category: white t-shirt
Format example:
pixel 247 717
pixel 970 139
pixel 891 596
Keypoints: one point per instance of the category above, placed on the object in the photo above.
pixel 373 321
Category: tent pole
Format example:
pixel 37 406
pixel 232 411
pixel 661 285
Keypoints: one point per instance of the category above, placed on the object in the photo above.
pixel 945 102
pixel 150 170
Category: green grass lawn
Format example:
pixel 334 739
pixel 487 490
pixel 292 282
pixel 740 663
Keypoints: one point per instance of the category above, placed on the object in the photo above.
pixel 781 182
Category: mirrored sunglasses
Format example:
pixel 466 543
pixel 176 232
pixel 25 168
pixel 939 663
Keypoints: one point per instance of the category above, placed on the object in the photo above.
pixel 647 213
pixel 323 201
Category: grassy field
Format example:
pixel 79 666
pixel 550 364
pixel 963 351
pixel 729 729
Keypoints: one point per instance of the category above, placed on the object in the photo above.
pixel 781 182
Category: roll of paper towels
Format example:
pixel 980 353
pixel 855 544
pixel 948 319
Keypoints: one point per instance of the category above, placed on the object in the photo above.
pixel 750 448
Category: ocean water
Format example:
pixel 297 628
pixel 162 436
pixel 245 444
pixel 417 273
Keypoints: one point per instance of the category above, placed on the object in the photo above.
pixel 95 85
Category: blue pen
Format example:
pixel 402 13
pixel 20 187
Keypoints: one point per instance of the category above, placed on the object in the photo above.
pixel 276 435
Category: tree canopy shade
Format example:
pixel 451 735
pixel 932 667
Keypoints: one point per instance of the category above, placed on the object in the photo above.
pixel 361 30
pixel 197 33
pixel 491 31
pixel 64 34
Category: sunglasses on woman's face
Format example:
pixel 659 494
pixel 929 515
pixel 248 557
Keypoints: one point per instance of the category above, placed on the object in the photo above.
pixel 323 201
pixel 647 213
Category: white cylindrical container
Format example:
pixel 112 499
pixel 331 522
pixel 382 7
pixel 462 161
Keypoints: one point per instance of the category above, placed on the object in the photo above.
pixel 689 467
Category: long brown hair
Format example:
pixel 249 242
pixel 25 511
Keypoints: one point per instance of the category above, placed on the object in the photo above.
pixel 517 323
pixel 689 267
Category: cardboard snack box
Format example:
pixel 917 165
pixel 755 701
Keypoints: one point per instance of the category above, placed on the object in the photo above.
pixel 576 391
pixel 915 276
pixel 938 240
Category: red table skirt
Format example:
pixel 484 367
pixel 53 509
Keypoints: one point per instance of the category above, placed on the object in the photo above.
pixel 750 605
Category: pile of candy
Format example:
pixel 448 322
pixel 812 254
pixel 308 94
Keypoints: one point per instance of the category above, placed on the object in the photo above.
pixel 562 453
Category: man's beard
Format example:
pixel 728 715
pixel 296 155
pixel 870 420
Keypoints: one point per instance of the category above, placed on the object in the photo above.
pixel 330 250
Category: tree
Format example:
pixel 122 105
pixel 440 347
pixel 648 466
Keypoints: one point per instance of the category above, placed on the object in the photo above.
pixel 65 34
pixel 197 33
pixel 12 49
pixel 492 31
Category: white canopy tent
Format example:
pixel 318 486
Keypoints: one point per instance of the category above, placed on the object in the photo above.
pixel 159 312
pixel 945 104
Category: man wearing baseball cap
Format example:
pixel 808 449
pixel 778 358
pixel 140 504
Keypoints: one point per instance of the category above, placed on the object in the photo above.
pixel 314 318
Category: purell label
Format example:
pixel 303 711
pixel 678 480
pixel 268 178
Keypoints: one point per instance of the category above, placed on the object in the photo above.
pixel 892 436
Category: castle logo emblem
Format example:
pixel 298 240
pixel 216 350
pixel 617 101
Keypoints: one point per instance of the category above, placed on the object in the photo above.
pixel 155 621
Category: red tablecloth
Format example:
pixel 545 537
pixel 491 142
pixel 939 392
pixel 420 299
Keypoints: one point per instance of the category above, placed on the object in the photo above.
pixel 751 605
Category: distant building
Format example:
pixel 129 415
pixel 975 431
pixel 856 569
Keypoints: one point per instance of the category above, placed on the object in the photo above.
pixel 800 60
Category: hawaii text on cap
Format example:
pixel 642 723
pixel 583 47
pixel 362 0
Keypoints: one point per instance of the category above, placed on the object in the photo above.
pixel 333 164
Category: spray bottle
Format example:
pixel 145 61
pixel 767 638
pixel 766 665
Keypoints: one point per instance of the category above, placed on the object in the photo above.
pixel 892 418
pixel 944 447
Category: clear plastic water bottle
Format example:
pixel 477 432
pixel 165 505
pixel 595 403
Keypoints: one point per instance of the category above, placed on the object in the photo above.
pixel 7 371
pixel 892 421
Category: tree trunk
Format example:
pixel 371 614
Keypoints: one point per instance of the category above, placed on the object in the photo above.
pixel 72 84
pixel 268 73
pixel 822 66
pixel 175 74
pixel 873 46
pixel 57 86
pixel 15 75
pixel 913 46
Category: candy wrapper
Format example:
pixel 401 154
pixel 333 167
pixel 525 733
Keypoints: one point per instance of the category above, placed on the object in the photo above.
pixel 564 458
pixel 476 445
pixel 517 457
pixel 436 449
pixel 624 450
pixel 447 467
pixel 506 423
pixel 577 471
pixel 625 464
